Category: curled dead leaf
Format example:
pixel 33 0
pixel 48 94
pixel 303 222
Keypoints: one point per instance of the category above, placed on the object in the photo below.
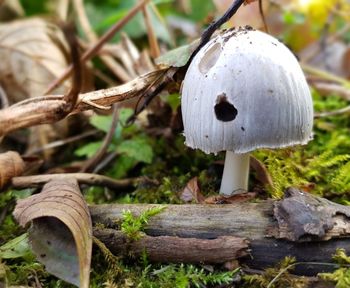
pixel 61 230
pixel 192 192
pixel 11 165
pixel 262 174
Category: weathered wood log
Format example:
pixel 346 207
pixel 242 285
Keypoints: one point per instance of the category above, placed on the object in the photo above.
pixel 175 249
pixel 300 225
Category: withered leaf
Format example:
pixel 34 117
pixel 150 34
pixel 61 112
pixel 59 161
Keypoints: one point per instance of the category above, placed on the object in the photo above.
pixel 192 192
pixel 11 165
pixel 61 230
pixel 261 171
pixel 237 198
pixel 33 55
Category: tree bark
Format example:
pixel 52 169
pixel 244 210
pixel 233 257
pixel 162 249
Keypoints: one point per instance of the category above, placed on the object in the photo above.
pixel 175 249
pixel 300 225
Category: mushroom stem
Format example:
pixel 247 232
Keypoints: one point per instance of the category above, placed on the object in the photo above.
pixel 236 172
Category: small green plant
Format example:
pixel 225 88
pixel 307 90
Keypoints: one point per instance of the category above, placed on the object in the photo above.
pixel 131 145
pixel 340 276
pixel 277 277
pixel 133 226
pixel 184 276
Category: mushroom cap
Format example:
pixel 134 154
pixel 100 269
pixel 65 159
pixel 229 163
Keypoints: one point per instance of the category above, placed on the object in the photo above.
pixel 245 90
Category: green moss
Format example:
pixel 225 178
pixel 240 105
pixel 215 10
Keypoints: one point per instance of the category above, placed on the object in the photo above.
pixel 323 166
pixel 276 277
pixel 133 226
pixel 340 276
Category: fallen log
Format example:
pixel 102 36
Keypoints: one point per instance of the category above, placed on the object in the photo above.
pixel 175 249
pixel 306 227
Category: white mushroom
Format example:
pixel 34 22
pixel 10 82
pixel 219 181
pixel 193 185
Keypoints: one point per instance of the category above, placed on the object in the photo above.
pixel 244 90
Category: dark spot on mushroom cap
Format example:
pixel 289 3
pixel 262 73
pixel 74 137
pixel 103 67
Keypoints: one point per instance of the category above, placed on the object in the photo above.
pixel 224 110
pixel 242 128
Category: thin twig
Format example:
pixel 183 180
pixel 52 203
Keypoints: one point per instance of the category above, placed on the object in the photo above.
pixel 152 39
pixel 92 51
pixel 72 96
pixel 301 263
pixel 325 75
pixel 104 162
pixel 59 143
pixel 104 77
pixel 330 88
pixel 325 33
pixel 91 163
pixel 153 90
pixel 262 15
pixel 62 10
pixel 161 19
pixel 83 178
pixel 216 25
pixel 345 110
pixel 113 65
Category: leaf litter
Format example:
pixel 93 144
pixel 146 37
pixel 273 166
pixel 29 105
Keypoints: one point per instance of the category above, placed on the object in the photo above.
pixel 187 169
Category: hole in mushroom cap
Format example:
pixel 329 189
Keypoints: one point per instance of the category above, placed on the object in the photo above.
pixel 224 110
pixel 210 58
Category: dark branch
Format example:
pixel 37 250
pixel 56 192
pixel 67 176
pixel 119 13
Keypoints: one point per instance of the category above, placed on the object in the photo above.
pixel 72 96
pixel 208 32
pixel 216 25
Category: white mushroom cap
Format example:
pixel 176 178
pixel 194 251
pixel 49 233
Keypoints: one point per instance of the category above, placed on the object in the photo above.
pixel 245 90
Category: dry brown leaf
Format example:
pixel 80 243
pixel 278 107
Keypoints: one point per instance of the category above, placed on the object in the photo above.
pixel 135 62
pixel 33 54
pixel 61 230
pixel 192 192
pixel 262 175
pixel 11 165
pixel 237 198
